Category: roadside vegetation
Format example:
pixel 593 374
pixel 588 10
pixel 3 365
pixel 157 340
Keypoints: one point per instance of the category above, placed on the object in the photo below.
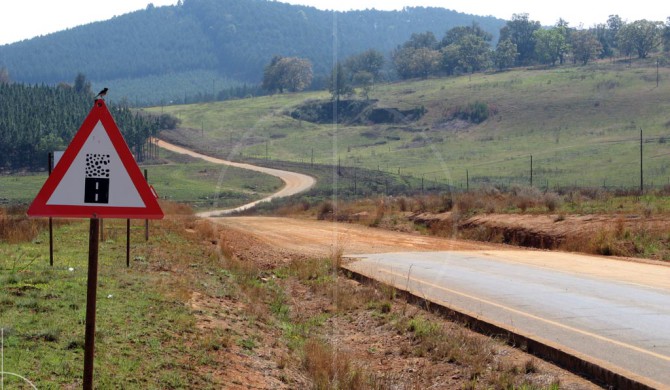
pixel 197 309
pixel 587 220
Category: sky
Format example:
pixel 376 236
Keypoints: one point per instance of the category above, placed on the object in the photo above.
pixel 25 19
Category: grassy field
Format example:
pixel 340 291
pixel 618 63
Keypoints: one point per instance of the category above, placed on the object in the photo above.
pixel 145 335
pixel 202 185
pixel 580 124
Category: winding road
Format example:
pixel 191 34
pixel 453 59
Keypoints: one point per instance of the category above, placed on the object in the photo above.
pixel 294 183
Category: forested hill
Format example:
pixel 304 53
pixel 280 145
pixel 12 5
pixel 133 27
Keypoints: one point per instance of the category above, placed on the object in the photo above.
pixel 36 120
pixel 198 43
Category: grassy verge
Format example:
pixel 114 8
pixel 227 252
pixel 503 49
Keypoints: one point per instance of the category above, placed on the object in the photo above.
pixel 145 334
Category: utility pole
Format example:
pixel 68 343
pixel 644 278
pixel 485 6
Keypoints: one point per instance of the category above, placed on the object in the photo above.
pixel 467 180
pixel 531 170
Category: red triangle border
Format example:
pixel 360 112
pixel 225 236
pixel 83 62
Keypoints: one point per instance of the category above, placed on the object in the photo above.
pixel 99 113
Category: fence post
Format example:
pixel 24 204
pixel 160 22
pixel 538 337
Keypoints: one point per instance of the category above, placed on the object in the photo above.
pixel 641 167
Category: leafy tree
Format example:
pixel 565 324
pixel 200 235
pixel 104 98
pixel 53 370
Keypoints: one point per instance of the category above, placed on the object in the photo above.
pixel 474 53
pixel 449 61
pixel 402 62
pixel 585 46
pixel 465 47
pixel 520 31
pixel 370 61
pixel 607 35
pixel 641 37
pixel 366 81
pixel 271 76
pixel 550 45
pixel 505 54
pixel 421 62
pixel 339 84
pixel 456 34
pixel 425 62
pixel 297 73
pixel 421 40
pixel 565 31
pixel 290 73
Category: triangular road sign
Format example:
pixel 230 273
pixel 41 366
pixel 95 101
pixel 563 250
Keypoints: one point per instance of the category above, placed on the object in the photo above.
pixel 97 176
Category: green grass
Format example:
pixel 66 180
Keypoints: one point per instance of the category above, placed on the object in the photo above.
pixel 144 333
pixel 580 124
pixel 20 188
pixel 202 185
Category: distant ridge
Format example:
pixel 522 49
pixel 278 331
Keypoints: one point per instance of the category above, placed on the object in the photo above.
pixel 201 46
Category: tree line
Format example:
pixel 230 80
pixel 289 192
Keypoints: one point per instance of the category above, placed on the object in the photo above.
pixel 470 48
pixel 524 42
pixel 38 119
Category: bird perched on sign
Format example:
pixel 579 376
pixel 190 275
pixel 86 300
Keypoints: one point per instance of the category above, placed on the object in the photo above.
pixel 101 94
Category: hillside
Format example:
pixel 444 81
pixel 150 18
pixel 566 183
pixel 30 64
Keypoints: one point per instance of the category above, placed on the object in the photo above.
pixel 203 46
pixel 580 124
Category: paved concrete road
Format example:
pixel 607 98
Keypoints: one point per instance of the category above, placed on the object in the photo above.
pixel 622 325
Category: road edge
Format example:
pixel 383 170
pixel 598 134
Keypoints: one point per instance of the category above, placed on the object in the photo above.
pixel 597 371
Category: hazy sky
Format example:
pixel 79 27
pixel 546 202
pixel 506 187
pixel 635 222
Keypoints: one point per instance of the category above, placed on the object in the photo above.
pixel 23 19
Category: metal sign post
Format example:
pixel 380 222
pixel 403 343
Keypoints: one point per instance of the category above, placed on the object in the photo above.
pixel 91 299
pixel 51 224
pixel 128 243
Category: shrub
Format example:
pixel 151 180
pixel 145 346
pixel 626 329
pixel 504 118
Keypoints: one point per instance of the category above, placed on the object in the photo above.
pixel 331 369
pixel 552 201
pixel 326 211
pixel 476 112
pixel 16 227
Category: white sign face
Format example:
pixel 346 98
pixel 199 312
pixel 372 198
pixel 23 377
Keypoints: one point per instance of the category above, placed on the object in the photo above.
pixel 57 155
pixel 97 177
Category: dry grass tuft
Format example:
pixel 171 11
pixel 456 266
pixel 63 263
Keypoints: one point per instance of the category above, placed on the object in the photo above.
pixel 16 227
pixel 331 369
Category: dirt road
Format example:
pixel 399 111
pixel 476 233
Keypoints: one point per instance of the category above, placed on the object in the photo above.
pixel 320 238
pixel 294 183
